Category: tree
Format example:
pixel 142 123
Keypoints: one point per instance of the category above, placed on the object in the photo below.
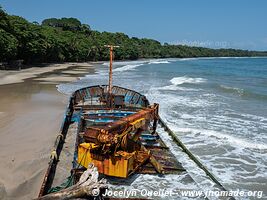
pixel 70 24
pixel 8 46
pixel 67 39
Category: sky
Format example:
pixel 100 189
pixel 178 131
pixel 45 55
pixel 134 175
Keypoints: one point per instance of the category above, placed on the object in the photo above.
pixel 209 23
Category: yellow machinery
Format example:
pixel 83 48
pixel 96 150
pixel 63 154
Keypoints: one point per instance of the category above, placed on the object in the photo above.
pixel 119 165
pixel 115 148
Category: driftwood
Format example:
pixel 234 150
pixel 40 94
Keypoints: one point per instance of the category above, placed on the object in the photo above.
pixel 88 185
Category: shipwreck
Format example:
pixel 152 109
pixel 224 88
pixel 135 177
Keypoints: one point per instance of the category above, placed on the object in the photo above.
pixel 115 137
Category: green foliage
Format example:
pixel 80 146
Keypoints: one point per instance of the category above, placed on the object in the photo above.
pixel 70 24
pixel 67 39
pixel 8 46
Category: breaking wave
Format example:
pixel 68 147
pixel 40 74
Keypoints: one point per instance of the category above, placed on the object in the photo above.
pixel 123 63
pixel 159 62
pixel 185 79
pixel 127 68
pixel 177 81
pixel 175 87
pixel 237 141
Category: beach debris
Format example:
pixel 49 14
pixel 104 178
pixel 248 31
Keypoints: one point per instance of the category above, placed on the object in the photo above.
pixel 87 186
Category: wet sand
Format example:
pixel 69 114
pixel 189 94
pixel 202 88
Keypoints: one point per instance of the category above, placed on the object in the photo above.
pixel 31 111
pixel 67 72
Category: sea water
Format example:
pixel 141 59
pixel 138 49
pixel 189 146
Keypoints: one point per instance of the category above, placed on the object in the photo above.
pixel 216 106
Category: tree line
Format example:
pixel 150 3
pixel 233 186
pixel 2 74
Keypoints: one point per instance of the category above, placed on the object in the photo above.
pixel 68 40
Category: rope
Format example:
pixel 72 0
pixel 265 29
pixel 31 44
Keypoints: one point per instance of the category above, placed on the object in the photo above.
pixel 53 154
pixel 69 181
pixel 64 185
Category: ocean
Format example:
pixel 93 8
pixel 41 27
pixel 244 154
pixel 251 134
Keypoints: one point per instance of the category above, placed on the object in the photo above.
pixel 216 106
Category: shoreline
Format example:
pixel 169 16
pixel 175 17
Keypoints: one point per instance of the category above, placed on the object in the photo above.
pixel 31 112
pixel 19 76
pixel 30 116
pixel 14 76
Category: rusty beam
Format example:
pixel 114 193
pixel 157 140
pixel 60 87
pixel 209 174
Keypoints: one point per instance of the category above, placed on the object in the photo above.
pixel 105 134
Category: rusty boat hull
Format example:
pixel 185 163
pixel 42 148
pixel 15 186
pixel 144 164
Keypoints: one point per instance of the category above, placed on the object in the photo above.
pixel 117 133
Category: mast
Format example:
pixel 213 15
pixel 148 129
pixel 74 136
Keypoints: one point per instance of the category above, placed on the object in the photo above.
pixel 111 47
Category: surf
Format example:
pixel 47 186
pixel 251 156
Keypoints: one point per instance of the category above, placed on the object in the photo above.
pixel 127 68
pixel 186 79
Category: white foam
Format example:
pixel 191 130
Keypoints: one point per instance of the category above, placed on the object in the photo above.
pixel 237 141
pixel 126 68
pixel 168 182
pixel 185 79
pixel 159 62
pixel 121 63
pixel 175 87
pixel 195 172
pixel 184 59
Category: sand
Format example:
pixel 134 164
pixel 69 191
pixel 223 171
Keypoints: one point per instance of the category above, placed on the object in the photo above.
pixel 9 77
pixel 55 78
pixel 31 112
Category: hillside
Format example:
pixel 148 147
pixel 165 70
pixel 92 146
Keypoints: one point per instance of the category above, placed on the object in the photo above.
pixel 67 39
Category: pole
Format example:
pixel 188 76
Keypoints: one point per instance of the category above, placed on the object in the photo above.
pixel 191 156
pixel 110 70
pixel 111 47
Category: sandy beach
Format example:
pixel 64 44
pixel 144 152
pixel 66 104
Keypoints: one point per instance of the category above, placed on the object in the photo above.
pixel 31 111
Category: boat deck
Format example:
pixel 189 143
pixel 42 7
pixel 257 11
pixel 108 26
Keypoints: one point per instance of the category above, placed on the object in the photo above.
pixel 100 118
pixel 85 110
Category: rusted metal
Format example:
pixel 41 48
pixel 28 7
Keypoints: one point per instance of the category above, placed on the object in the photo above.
pixel 110 96
pixel 98 91
pixel 101 107
pixel 132 133
pixel 108 133
pixel 113 136
pixel 127 145
pixel 110 70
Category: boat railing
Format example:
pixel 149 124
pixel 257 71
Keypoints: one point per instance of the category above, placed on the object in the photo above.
pixel 95 95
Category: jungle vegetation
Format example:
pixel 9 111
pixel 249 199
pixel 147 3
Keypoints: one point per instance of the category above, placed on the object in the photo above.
pixel 68 40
